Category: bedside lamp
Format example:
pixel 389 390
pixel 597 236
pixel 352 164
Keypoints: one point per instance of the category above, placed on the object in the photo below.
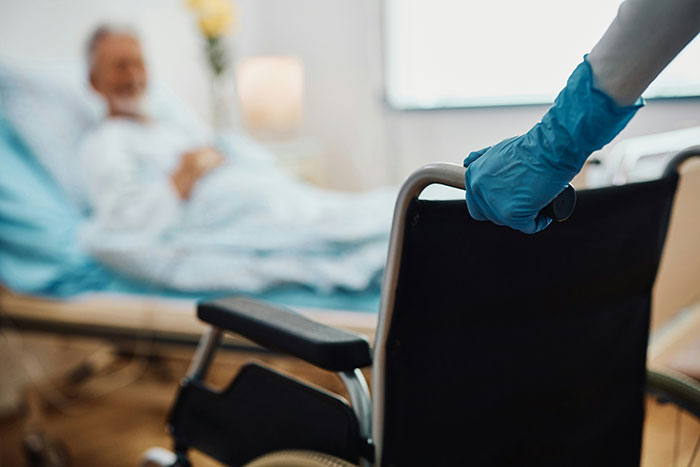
pixel 271 93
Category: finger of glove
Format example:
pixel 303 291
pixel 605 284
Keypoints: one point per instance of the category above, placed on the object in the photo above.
pixel 474 155
pixel 474 209
pixel 538 224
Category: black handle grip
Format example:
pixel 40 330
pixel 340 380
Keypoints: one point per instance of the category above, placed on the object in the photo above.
pixel 562 206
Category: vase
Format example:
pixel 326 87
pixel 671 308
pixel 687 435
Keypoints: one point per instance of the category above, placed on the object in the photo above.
pixel 225 109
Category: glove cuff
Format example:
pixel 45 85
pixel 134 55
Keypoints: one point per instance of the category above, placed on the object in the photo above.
pixel 582 120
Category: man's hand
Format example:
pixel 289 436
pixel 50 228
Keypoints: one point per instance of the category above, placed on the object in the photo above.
pixel 193 166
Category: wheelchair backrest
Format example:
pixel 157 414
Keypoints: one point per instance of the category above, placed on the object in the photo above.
pixel 513 349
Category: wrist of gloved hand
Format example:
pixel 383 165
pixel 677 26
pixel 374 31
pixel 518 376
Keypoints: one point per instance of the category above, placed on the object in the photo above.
pixel 582 120
pixel 512 181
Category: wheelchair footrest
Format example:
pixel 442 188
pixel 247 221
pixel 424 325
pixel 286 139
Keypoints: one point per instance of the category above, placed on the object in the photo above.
pixel 259 412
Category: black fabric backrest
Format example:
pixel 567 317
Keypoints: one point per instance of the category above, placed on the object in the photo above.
pixel 514 349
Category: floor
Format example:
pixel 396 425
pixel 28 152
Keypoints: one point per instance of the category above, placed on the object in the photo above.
pixel 113 419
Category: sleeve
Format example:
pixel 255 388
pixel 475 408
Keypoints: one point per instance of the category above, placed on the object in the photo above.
pixel 641 41
pixel 120 196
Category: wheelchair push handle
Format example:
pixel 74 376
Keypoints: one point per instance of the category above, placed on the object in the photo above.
pixel 561 207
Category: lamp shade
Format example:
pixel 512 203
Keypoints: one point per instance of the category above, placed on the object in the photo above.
pixel 271 93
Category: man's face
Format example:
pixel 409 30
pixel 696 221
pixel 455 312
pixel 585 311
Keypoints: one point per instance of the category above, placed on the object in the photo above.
pixel 119 73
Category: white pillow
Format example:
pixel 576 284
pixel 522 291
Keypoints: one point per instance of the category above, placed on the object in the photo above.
pixel 51 118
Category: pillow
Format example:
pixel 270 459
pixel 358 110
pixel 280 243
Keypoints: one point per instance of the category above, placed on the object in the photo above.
pixel 51 119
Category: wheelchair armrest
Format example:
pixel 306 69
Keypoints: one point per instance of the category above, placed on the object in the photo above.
pixel 286 331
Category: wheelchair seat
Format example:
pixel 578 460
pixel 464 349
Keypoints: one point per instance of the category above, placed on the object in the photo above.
pixel 493 347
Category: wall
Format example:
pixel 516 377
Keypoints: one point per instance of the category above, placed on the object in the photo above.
pixel 363 142
pixel 341 45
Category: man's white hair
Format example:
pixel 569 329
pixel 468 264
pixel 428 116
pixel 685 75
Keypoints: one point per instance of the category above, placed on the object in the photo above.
pixel 102 32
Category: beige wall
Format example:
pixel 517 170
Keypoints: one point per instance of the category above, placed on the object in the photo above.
pixel 678 283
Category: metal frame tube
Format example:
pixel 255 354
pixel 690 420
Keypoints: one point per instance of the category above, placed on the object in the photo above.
pixel 442 173
pixel 677 160
pixel 204 353
pixel 361 402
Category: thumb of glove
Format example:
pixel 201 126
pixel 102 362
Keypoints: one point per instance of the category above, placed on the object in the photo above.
pixel 474 155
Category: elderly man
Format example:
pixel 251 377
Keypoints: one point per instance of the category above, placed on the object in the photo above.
pixel 129 137
pixel 169 208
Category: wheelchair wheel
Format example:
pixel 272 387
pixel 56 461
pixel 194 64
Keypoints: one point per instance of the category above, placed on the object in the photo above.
pixel 674 404
pixel 293 458
pixel 41 450
pixel 158 457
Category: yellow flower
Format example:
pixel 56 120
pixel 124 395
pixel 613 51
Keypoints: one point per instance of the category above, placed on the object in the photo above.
pixel 216 17
pixel 197 4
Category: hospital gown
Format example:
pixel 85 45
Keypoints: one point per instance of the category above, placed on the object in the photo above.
pixel 247 225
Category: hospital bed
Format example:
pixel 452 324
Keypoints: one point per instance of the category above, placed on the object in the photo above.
pixel 124 318
pixel 492 347
pixel 49 286
pixel 48 282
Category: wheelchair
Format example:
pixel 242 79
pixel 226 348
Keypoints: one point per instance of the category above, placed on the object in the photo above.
pixel 492 348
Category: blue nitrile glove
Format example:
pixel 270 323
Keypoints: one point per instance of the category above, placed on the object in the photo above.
pixel 510 183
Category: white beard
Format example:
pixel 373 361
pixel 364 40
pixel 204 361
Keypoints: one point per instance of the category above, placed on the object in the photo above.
pixel 129 105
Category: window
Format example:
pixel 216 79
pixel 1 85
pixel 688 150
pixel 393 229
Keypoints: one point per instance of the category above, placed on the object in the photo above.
pixel 462 53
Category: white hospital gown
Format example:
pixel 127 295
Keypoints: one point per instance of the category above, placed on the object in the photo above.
pixel 247 226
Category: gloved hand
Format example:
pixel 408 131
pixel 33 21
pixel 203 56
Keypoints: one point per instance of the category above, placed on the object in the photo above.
pixel 510 183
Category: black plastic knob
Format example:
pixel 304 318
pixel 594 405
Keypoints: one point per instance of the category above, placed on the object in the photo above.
pixel 562 206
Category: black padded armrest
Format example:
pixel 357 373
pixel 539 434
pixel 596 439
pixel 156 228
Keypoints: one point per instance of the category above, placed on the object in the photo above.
pixel 284 330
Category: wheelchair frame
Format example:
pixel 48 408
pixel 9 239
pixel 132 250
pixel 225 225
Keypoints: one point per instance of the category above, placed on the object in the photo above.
pixel 370 411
